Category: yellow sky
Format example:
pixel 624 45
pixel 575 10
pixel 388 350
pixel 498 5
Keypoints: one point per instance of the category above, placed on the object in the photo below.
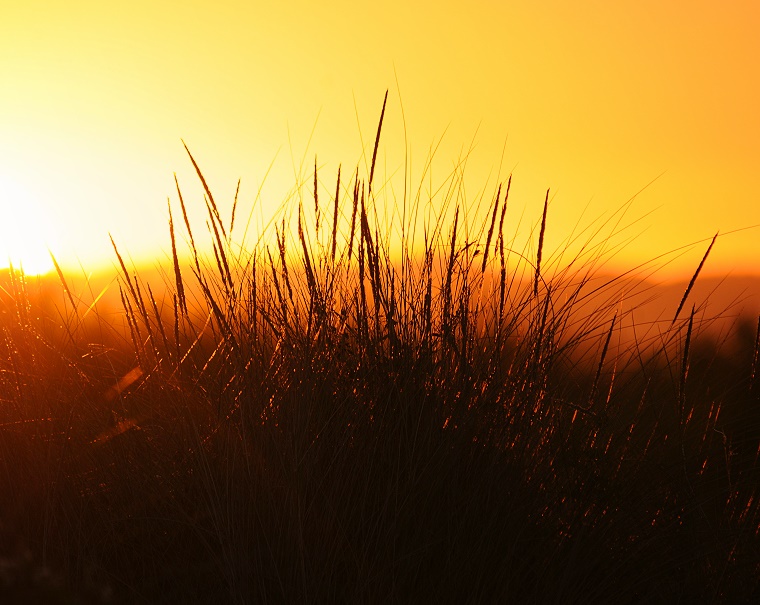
pixel 593 99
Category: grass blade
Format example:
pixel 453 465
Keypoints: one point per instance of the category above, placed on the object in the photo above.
pixel 540 245
pixel 693 280
pixel 377 144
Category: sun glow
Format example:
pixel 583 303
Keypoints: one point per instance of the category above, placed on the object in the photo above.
pixel 25 233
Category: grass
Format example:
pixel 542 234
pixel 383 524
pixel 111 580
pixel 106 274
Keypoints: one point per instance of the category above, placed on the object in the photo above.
pixel 320 418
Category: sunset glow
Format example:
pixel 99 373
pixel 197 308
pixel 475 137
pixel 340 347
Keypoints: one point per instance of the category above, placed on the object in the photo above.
pixel 399 301
pixel 593 101
pixel 25 231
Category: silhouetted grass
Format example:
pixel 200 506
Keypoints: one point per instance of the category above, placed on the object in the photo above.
pixel 311 421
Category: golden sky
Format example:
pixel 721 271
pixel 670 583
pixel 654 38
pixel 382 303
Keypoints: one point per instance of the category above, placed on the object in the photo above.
pixel 593 100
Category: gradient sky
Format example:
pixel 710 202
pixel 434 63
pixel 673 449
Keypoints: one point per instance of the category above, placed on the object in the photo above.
pixel 593 100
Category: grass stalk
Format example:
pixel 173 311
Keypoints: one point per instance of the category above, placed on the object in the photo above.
pixel 693 280
pixel 334 237
pixel 540 245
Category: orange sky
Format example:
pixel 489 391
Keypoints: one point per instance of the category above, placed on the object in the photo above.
pixel 593 99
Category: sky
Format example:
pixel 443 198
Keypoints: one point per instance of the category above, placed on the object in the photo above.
pixel 599 102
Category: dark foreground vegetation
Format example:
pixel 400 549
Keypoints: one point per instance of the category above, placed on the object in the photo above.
pixel 322 419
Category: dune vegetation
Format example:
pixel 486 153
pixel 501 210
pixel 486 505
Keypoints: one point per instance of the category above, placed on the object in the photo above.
pixel 322 418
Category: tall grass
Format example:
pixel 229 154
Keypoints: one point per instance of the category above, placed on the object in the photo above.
pixel 321 418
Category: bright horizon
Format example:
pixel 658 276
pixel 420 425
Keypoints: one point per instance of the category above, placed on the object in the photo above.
pixel 596 102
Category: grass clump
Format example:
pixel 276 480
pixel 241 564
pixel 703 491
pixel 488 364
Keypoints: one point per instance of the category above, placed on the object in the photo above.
pixel 321 417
